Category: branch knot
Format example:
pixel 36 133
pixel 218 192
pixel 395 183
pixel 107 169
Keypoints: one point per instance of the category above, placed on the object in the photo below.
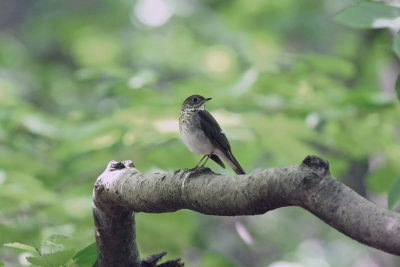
pixel 318 165
pixel 116 165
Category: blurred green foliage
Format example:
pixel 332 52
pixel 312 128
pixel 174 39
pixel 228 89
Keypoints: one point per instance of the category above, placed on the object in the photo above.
pixel 85 82
pixel 394 195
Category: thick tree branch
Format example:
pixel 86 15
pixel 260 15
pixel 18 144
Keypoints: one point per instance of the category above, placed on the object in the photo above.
pixel 122 189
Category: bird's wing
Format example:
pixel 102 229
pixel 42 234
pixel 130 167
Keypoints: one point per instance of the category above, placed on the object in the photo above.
pixel 212 130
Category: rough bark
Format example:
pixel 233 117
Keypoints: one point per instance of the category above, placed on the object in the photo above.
pixel 122 189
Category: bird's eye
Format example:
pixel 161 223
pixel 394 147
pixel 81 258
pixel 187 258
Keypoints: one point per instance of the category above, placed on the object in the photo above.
pixel 195 99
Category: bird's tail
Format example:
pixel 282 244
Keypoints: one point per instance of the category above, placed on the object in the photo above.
pixel 231 160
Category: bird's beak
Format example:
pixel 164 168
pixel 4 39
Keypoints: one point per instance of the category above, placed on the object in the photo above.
pixel 207 99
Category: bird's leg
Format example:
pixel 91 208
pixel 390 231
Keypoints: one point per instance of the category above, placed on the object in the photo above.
pixel 208 156
pixel 200 162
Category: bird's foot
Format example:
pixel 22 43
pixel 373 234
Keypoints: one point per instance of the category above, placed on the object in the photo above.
pixel 194 169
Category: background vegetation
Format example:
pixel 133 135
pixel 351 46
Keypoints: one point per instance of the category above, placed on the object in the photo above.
pixel 83 82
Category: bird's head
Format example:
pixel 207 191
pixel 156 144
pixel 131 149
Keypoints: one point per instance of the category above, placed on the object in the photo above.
pixel 195 102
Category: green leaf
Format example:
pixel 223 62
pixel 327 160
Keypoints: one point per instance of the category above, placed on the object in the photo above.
pixel 398 87
pixel 55 259
pixel 21 246
pixel 1 263
pixel 369 15
pixel 86 256
pixel 394 193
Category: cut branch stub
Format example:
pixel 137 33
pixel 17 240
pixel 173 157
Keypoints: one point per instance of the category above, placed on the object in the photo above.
pixel 320 166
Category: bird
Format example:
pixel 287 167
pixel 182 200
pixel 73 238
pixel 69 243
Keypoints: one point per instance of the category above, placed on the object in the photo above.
pixel 202 135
